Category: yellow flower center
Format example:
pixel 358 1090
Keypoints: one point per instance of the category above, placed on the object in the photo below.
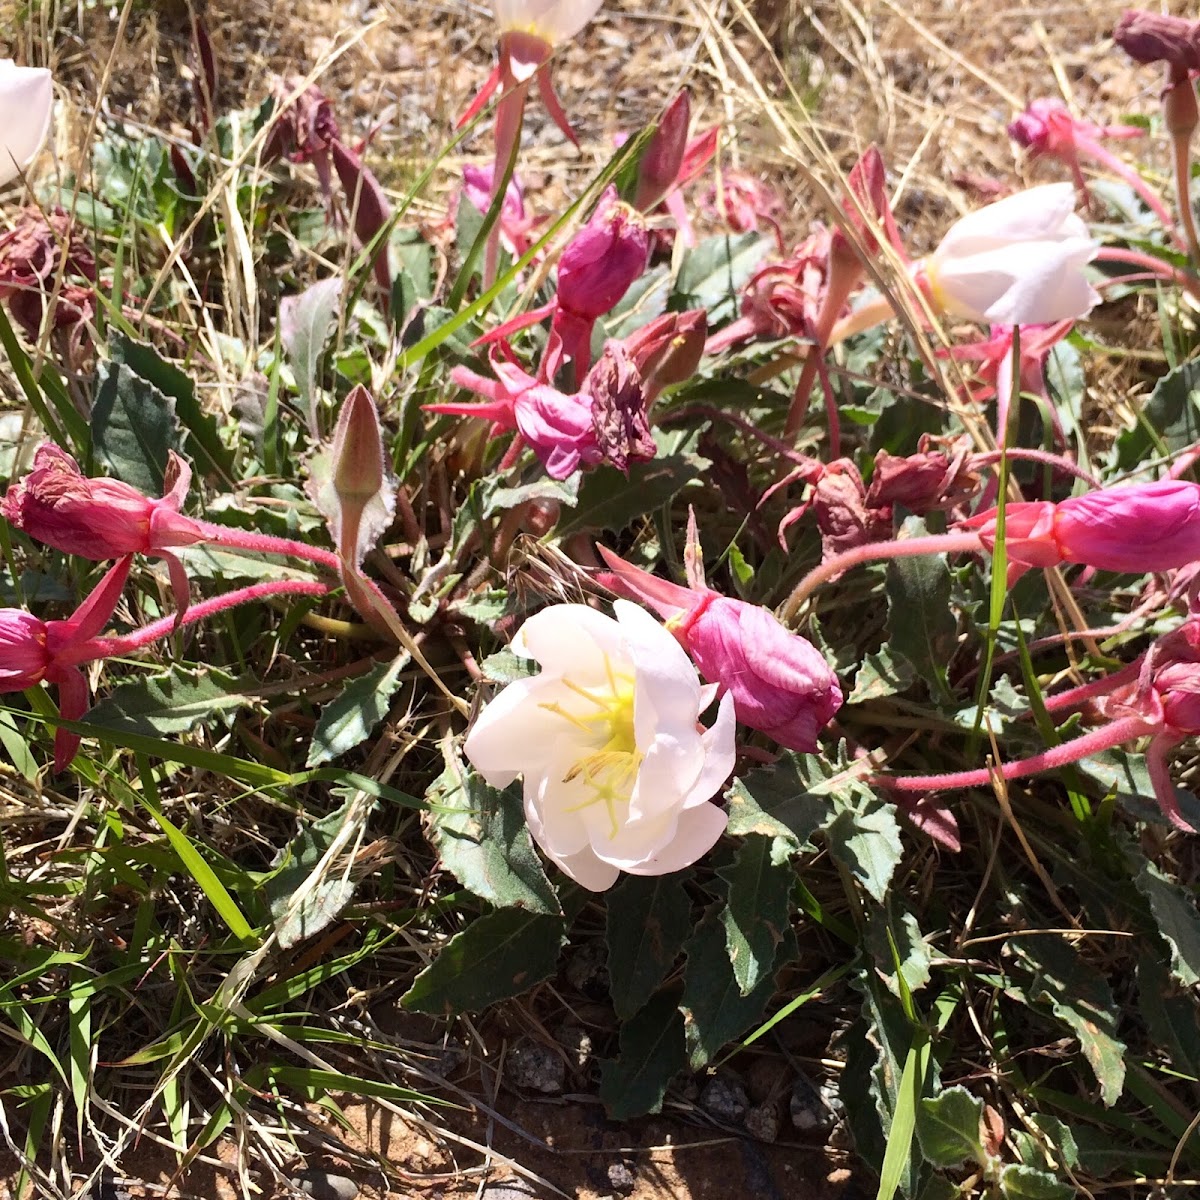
pixel 610 771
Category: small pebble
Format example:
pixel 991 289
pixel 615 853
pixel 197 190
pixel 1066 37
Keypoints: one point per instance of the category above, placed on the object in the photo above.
pixel 621 1178
pixel 810 1112
pixel 762 1122
pixel 510 1189
pixel 322 1185
pixel 536 1068
pixel 725 1099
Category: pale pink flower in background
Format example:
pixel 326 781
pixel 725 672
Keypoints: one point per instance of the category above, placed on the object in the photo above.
pixel 1019 261
pixel 618 773
pixel 26 98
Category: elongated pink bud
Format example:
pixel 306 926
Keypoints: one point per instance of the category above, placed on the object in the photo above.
pixel 663 158
pixel 603 259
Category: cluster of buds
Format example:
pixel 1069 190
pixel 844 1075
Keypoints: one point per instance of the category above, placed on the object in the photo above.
pixel 607 419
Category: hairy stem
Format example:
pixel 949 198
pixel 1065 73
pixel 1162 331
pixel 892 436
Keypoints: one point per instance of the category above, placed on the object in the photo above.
pixel 1105 738
pixel 264 543
pixel 945 543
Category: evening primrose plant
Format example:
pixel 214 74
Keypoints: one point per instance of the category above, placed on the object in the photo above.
pixel 370 695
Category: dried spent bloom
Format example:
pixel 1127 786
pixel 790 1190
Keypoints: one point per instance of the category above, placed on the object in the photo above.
pixel 780 683
pixel 929 481
pixel 1149 37
pixel 617 771
pixel 619 422
pixel 668 349
pixel 57 504
pixel 26 98
pixel 1019 261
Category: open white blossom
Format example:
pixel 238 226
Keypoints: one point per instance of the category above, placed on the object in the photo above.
pixel 26 97
pixel 1019 261
pixel 617 772
pixel 553 21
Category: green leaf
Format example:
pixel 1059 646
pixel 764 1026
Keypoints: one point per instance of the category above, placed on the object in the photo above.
pixel 302 902
pixel 484 842
pixel 714 271
pixel 227 908
pixel 506 667
pixel 921 625
pixel 882 674
pixel 607 500
pixel 201 427
pixel 170 704
pixel 865 838
pixel 1126 775
pixel 948 1128
pixel 1079 996
pixel 1018 1182
pixel 648 920
pixel 495 958
pixel 1174 909
pixel 1168 422
pixel 347 720
pixel 1170 1016
pixel 757 909
pixel 714 1009
pixel 910 945
pixel 233 566
pixel 305 323
pixel 133 427
pixel 651 1052
pixel 790 801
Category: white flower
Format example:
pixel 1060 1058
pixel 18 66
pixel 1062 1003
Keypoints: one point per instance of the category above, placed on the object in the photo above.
pixel 1019 261
pixel 26 97
pixel 617 773
pixel 553 21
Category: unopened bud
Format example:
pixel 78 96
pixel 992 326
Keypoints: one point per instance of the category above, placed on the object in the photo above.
pixel 663 158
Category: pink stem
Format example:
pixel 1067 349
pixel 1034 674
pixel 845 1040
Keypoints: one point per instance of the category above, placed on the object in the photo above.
pixel 943 543
pixel 1181 163
pixel 1152 265
pixel 1120 168
pixel 1076 696
pixel 1104 738
pixel 263 543
pixel 1041 456
pixel 511 454
pixel 108 647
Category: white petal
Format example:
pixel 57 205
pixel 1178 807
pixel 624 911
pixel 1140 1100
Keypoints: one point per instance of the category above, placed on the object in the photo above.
pixel 667 695
pixel 552 20
pixel 695 835
pixel 26 97
pixel 720 752
pixel 559 831
pixel 1031 283
pixel 668 774
pixel 573 640
pixel 588 870
pixel 1032 215
pixel 514 733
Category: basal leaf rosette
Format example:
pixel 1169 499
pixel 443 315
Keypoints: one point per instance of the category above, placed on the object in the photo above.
pixel 618 772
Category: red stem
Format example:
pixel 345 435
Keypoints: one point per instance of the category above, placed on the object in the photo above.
pixel 1120 168
pixel 1105 738
pixel 1152 265
pixel 108 647
pixel 943 543
pixel 264 543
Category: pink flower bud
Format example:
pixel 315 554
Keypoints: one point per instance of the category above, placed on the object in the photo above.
pixel 663 157
pixel 1133 528
pixel 780 683
pixel 1029 539
pixel 603 259
pixel 352 485
pixel 97 518
pixel 24 658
